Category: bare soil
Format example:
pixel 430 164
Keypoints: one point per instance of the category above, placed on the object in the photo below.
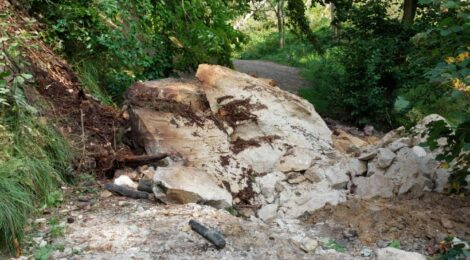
pixel 91 128
pixel 419 224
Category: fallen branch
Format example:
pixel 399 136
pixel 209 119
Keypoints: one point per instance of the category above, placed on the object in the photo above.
pixel 145 185
pixel 211 235
pixel 124 191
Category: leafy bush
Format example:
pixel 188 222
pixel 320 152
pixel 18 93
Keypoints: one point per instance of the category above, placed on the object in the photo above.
pixel 361 76
pixel 134 40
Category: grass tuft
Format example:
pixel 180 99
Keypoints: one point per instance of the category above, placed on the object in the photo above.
pixel 33 161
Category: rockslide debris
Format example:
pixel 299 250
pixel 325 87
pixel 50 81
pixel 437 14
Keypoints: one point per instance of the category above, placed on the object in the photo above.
pixel 233 139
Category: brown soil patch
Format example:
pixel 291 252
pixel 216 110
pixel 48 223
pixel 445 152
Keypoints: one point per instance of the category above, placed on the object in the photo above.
pixel 64 103
pixel 241 144
pixel 426 218
pixel 239 110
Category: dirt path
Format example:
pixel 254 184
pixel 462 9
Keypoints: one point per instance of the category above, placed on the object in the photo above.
pixel 287 78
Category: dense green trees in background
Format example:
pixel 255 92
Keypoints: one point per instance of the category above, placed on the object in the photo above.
pixel 381 62
pixel 114 43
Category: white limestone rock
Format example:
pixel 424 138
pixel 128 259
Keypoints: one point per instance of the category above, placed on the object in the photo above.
pixel 390 253
pixel 182 185
pixel 419 151
pixel 268 212
pixel 385 157
pixel 125 180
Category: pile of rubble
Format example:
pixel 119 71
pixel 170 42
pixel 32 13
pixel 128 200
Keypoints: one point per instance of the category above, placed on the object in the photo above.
pixel 234 140
pixel 397 165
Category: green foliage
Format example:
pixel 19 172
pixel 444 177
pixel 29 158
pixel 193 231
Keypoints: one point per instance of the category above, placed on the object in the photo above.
pixel 453 250
pixel 332 244
pixel 45 253
pixel 264 46
pixel 299 22
pixel 34 157
pixel 395 244
pixel 361 76
pixel 127 41
pixel 456 152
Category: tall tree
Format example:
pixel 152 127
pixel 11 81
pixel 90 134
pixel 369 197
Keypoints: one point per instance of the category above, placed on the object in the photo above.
pixel 409 11
pixel 278 8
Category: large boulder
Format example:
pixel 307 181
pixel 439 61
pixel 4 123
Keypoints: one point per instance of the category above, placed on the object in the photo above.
pixel 229 125
pixel 277 121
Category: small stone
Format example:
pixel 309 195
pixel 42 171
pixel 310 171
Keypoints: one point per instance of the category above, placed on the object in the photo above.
pixel 419 151
pixel 349 233
pixel 385 157
pixel 391 136
pixel 246 212
pixel 268 183
pixel 382 243
pixel 366 156
pixel 447 223
pixel 125 180
pixel 308 244
pixel 357 167
pixel 106 194
pixel 428 165
pixel 40 221
pixel 279 187
pixel 399 143
pixel 268 212
pixel 295 178
pixel 368 130
pixel 366 252
pixel 312 175
pixel 122 203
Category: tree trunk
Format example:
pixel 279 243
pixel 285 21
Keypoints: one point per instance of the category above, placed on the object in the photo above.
pixel 281 23
pixel 409 11
pixel 334 19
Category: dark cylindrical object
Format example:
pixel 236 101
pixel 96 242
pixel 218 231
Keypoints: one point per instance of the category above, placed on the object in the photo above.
pixel 124 191
pixel 211 235
pixel 145 185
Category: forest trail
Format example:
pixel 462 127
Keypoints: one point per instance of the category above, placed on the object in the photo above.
pixel 286 77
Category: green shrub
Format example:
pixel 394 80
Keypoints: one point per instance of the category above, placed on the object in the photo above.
pixel 137 40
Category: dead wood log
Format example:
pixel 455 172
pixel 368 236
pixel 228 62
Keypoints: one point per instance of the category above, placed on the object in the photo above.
pixel 210 234
pixel 145 185
pixel 124 191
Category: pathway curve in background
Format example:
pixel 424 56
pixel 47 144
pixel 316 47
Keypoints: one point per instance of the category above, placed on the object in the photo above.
pixel 287 78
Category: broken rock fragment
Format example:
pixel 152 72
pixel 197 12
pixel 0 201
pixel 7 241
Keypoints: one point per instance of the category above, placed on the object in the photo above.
pixel 385 157
pixel 179 184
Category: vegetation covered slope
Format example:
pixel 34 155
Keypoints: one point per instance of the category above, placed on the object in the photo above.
pixel 50 127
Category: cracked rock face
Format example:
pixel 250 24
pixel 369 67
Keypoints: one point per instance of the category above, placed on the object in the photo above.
pixel 237 140
pixel 222 132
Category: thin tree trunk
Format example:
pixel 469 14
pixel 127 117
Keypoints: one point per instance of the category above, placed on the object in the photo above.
pixel 409 11
pixel 334 19
pixel 281 23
